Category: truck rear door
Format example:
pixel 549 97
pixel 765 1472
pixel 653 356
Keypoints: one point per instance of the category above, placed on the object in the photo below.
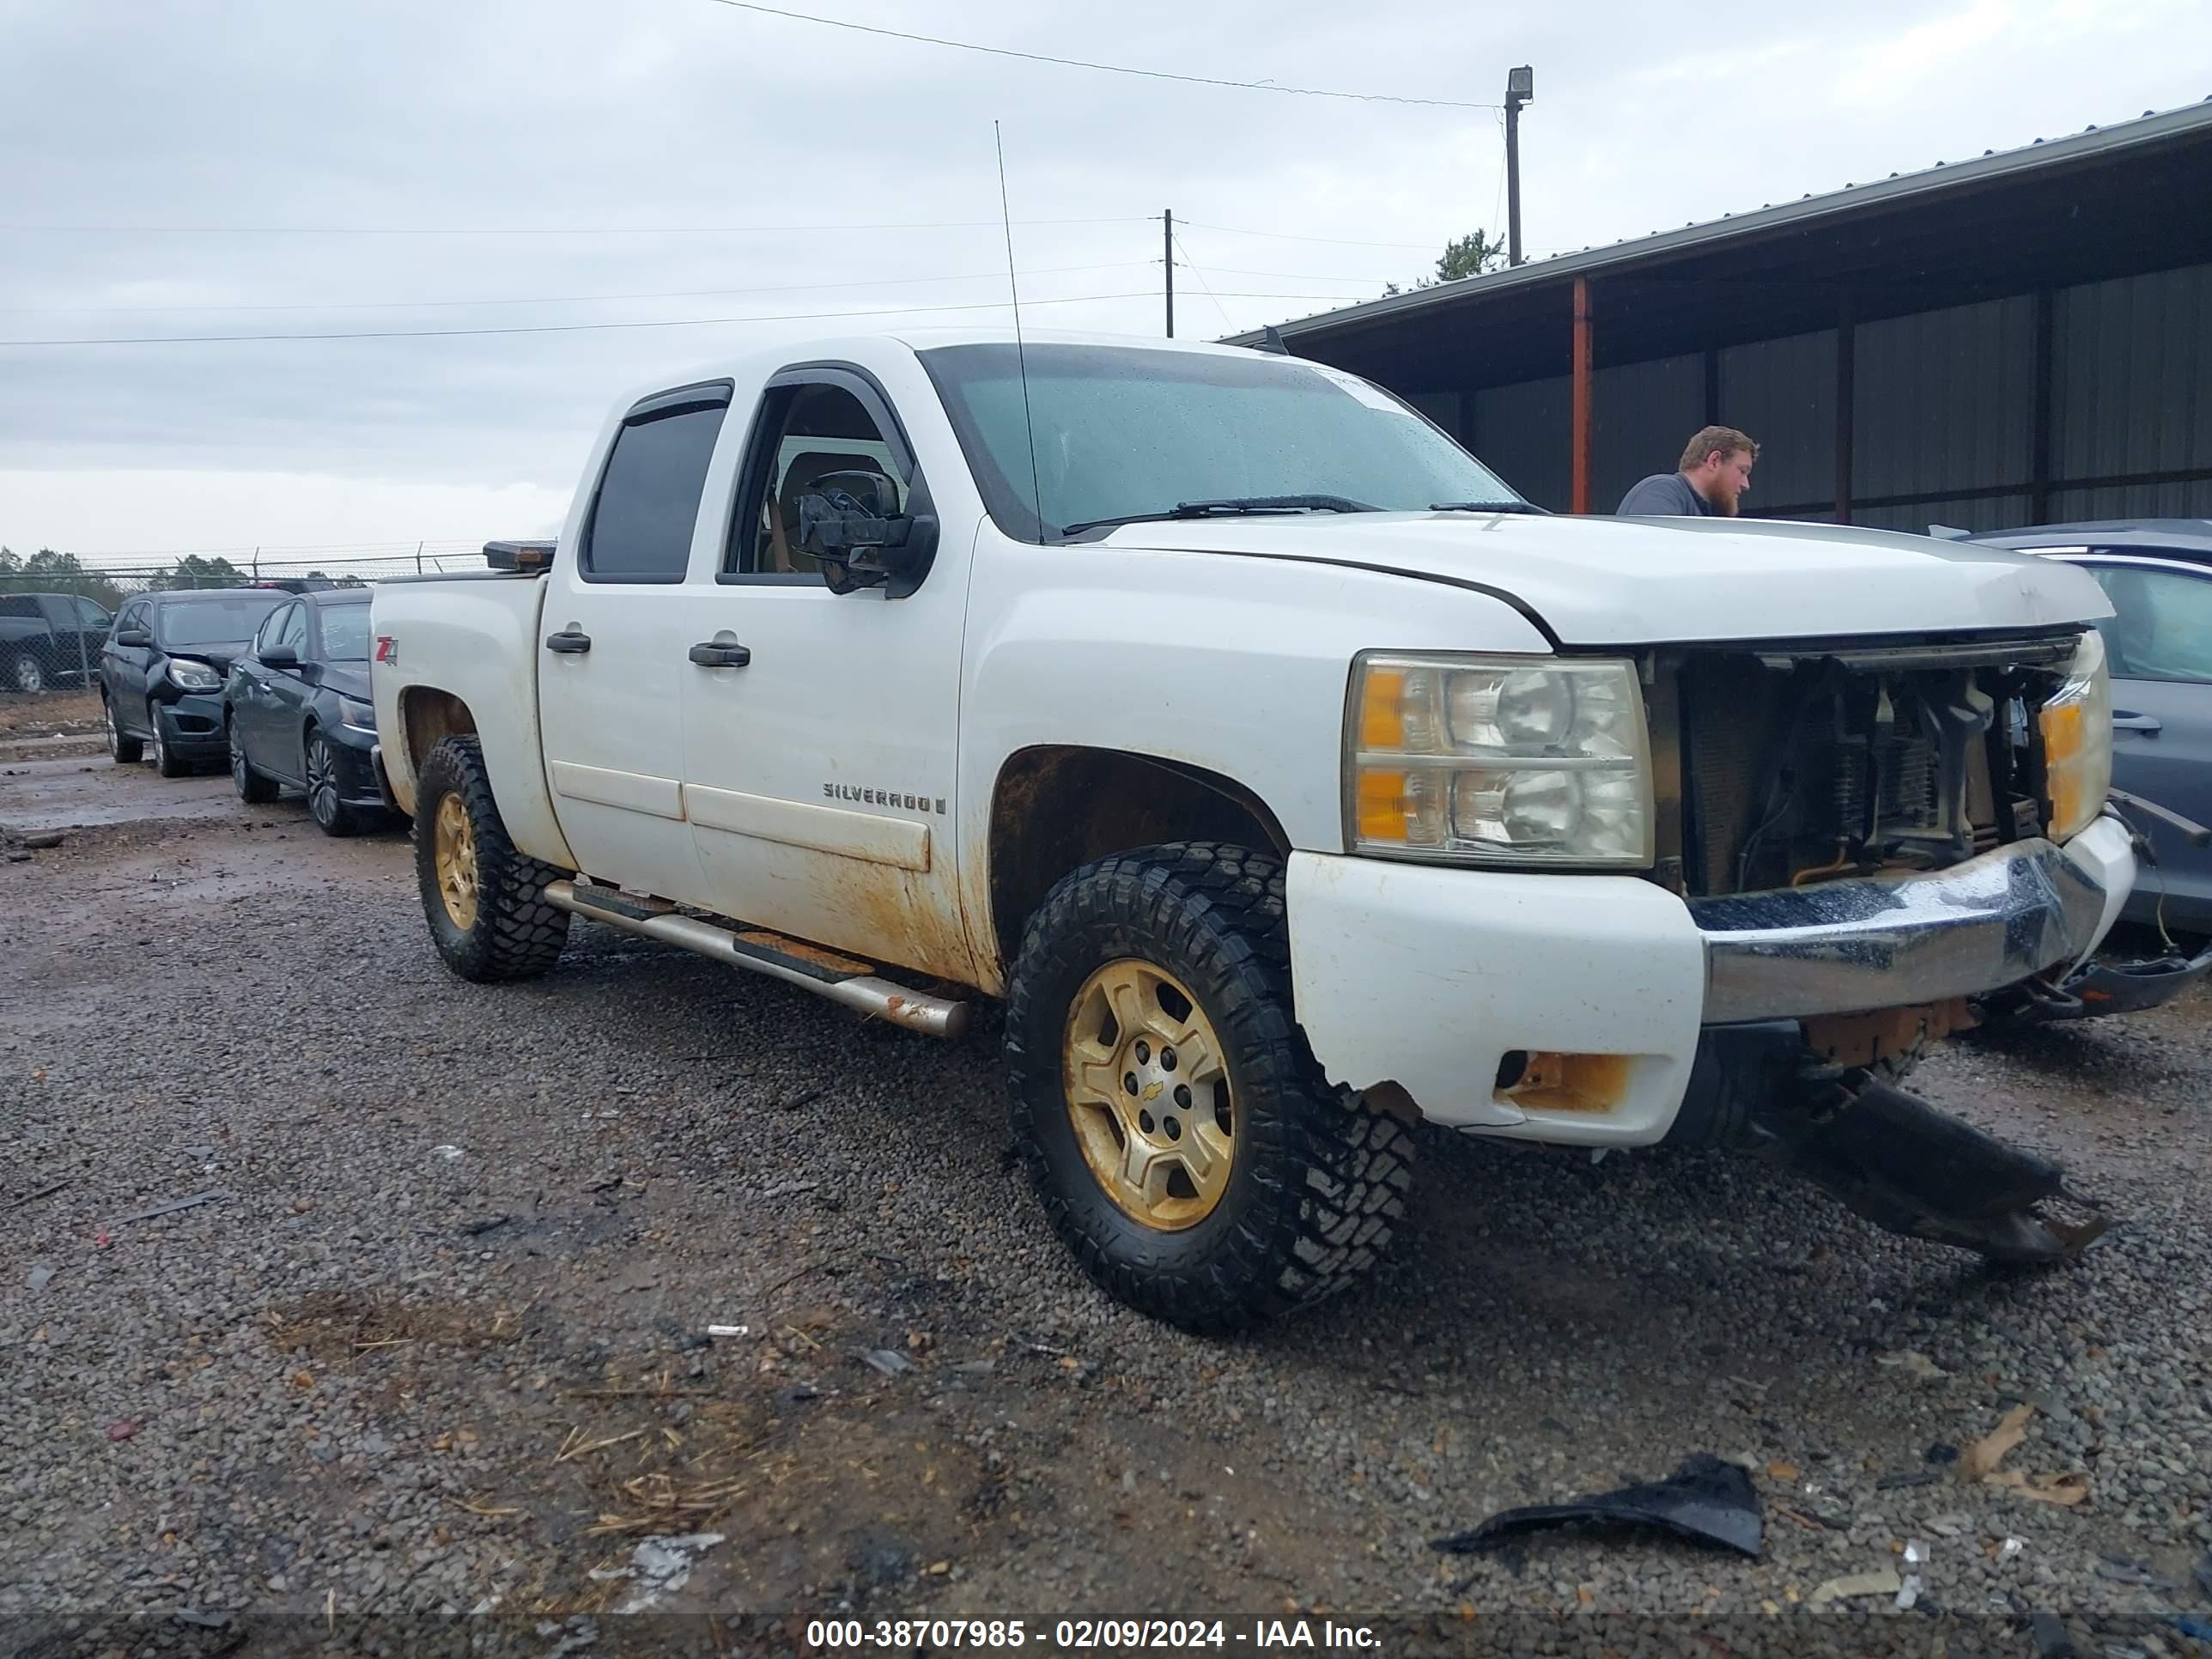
pixel 819 728
pixel 611 666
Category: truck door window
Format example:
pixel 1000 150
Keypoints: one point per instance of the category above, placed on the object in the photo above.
pixel 639 529
pixel 807 432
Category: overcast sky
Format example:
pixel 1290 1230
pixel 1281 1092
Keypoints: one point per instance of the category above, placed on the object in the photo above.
pixel 132 132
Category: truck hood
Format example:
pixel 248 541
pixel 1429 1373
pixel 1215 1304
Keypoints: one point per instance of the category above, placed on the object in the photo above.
pixel 1648 581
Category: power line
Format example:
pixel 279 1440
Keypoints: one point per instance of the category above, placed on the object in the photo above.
pixel 589 328
pixel 1109 69
pixel 1288 276
pixel 1198 271
pixel 1286 236
pixel 540 230
pixel 561 299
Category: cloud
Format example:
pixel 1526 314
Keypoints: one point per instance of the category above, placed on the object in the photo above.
pixel 580 118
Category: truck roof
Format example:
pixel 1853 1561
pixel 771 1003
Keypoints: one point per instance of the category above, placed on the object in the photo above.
pixel 760 360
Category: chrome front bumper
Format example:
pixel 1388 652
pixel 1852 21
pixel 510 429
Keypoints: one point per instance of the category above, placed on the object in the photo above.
pixel 1847 947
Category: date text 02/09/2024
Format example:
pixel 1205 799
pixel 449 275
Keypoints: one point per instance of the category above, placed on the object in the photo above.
pixel 1080 1635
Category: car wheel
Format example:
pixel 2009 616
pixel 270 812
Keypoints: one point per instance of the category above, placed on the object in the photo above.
pixel 123 750
pixel 26 674
pixel 1182 1141
pixel 484 899
pixel 166 760
pixel 254 787
pixel 323 804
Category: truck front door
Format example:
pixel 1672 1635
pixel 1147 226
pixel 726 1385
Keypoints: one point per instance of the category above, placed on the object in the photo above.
pixel 819 728
pixel 611 669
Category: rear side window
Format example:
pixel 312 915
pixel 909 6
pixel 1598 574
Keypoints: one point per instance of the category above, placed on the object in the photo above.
pixel 18 607
pixel 648 499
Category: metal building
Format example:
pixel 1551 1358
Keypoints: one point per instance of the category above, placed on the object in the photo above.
pixel 2022 338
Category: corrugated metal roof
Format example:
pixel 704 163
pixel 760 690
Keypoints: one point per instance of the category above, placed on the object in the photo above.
pixel 2149 129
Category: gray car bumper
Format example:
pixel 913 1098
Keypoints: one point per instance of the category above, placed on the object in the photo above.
pixel 1889 942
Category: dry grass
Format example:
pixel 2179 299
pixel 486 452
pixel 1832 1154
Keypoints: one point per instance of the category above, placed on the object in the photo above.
pixel 342 1324
pixel 647 1472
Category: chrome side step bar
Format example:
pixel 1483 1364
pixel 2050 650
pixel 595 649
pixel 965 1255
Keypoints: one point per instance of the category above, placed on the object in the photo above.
pixel 841 979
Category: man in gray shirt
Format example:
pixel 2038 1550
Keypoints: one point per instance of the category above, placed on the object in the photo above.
pixel 1714 473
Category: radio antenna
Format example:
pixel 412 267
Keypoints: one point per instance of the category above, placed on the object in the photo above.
pixel 1021 351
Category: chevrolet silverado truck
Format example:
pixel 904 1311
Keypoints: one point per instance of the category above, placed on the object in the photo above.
pixel 1291 781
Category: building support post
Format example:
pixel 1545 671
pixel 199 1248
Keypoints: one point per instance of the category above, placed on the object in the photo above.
pixel 1846 403
pixel 1582 418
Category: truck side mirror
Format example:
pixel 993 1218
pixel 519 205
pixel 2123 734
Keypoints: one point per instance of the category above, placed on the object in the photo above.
pixel 847 525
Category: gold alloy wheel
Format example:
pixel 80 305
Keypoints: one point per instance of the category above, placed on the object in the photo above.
pixel 1148 1094
pixel 454 844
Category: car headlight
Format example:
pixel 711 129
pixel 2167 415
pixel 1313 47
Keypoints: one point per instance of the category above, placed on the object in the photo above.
pixel 1498 760
pixel 362 716
pixel 187 675
pixel 2077 742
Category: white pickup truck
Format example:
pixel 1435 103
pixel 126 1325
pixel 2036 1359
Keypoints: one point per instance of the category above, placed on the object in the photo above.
pixel 1291 780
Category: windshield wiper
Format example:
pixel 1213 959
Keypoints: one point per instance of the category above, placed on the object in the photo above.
pixel 1489 506
pixel 1231 504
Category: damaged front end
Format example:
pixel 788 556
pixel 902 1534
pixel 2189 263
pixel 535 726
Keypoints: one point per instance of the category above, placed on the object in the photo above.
pixel 1881 845
pixel 1887 1155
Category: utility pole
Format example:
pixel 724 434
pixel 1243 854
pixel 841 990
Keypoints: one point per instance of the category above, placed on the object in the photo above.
pixel 1520 88
pixel 1168 242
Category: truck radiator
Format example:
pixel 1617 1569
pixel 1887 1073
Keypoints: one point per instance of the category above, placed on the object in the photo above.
pixel 1802 765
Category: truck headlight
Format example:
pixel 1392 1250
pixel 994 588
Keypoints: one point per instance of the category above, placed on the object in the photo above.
pixel 2077 742
pixel 1498 760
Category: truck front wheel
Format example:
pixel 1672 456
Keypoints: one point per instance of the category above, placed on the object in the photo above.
pixel 484 900
pixel 1177 1131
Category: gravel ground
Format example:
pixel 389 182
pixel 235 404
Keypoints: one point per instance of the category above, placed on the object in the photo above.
pixel 437 1349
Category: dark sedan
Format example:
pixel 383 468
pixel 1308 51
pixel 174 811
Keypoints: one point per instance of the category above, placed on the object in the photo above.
pixel 297 713
pixel 161 672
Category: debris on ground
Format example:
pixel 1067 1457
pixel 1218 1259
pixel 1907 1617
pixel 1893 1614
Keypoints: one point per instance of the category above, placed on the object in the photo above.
pixel 122 1428
pixel 1942 1452
pixel 2051 1641
pixel 657 1566
pixel 889 1361
pixel 43 841
pixel 1851 1586
pixel 1914 1364
pixel 40 1277
pixel 483 1224
pixel 1980 1461
pixel 1706 1499
pixel 189 1201
pixel 448 1151
pixel 1908 1593
pixel 729 1330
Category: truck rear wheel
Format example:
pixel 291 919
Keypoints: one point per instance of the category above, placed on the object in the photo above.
pixel 484 900
pixel 1178 1132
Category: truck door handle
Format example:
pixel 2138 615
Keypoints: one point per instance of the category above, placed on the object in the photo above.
pixel 719 654
pixel 569 643
pixel 2150 725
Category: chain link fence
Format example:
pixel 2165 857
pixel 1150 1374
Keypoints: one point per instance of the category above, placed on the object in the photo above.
pixel 55 610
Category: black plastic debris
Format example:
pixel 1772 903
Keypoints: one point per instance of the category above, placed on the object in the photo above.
pixel 1705 1499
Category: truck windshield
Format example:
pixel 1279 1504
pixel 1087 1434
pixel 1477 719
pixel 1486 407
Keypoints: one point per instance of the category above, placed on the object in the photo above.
pixel 1126 431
